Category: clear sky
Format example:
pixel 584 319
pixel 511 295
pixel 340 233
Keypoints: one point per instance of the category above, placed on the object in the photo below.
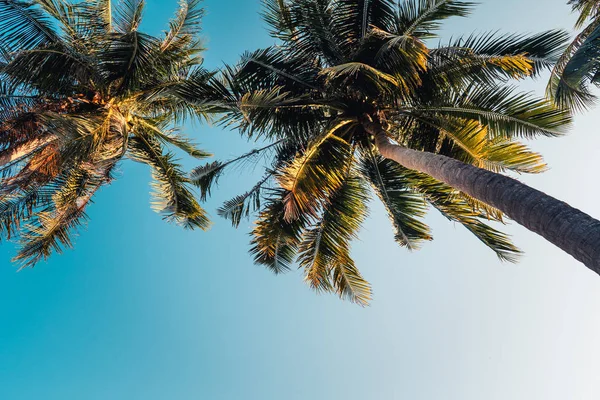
pixel 143 310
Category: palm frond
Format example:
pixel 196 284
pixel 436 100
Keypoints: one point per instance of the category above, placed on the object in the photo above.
pixel 274 240
pixel 586 8
pixel 354 18
pixel 405 208
pixel 502 111
pixel 185 26
pixel 205 176
pixel 454 207
pixel 513 55
pixel 127 16
pixel 50 229
pixel 172 197
pixel 324 252
pixel 311 177
pixel 421 18
pixel 277 14
pixel 242 205
pixel 570 88
pixel 24 26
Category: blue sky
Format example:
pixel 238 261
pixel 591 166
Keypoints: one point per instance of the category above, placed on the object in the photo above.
pixel 143 310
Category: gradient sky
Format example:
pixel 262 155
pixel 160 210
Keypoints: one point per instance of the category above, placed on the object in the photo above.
pixel 143 310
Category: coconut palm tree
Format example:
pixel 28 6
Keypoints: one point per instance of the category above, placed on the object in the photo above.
pixel 352 100
pixel 82 88
pixel 579 66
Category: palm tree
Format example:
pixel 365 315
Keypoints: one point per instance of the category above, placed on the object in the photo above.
pixel 352 97
pixel 579 66
pixel 81 88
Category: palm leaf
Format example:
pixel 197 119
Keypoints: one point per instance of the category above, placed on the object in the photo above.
pixel 274 240
pixel 314 175
pixel 324 252
pixel 405 208
pixel 172 197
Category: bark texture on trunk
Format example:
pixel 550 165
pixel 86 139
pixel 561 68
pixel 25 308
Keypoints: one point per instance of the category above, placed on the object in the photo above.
pixel 570 229
pixel 13 154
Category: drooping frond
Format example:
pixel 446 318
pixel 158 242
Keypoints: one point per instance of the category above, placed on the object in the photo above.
pixel 349 283
pixel 173 198
pixel 242 205
pixel 405 208
pixel 566 91
pixel 207 175
pixel 580 67
pixel 324 252
pixel 174 138
pixel 50 229
pixel 586 8
pixel 311 177
pixel 274 240
pixel 454 207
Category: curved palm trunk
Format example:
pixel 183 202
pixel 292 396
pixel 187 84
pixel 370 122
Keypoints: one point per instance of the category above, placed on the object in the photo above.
pixel 13 154
pixel 568 228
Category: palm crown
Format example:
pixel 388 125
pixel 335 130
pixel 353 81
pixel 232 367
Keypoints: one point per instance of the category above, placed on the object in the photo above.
pixel 578 66
pixel 81 88
pixel 343 69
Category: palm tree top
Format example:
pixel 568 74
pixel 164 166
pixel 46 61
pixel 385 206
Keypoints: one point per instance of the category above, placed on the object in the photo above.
pixel 578 66
pixel 340 72
pixel 82 88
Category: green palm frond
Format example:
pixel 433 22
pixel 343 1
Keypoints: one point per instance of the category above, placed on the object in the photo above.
pixel 569 89
pixel 205 176
pixel 473 144
pixel 174 138
pixel 324 252
pixel 454 207
pixel 128 16
pixel 371 80
pixel 315 31
pixel 509 55
pixel 277 14
pixel 243 205
pixel 185 26
pixel 582 69
pixel 349 283
pixel 421 18
pixel 50 229
pixel 405 208
pixel 503 154
pixel 586 8
pixel 173 199
pixel 502 111
pixel 24 25
pixel 354 18
pixel 311 177
pixel 275 241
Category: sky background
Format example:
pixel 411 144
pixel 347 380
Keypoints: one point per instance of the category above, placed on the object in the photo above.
pixel 144 310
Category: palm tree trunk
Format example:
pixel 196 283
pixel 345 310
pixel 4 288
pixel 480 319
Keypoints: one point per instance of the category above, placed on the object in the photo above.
pixel 18 152
pixel 568 228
